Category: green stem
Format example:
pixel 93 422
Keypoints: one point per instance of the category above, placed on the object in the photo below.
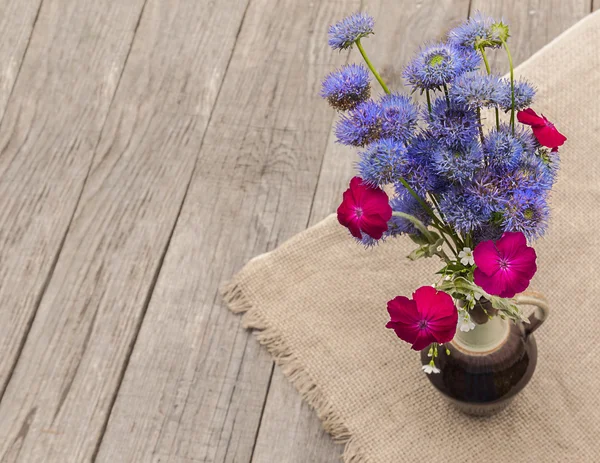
pixel 512 86
pixel 371 67
pixel 419 199
pixel 423 229
pixel 429 103
pixel 446 229
pixel 489 71
pixel 485 60
pixel 417 223
pixel 436 221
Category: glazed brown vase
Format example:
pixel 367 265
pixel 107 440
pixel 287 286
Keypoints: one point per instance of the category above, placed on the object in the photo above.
pixel 489 365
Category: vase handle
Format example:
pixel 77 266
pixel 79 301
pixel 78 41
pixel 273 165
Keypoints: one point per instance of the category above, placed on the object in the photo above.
pixel 541 309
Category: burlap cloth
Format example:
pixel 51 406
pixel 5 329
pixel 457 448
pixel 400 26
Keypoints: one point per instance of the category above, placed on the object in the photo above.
pixel 318 303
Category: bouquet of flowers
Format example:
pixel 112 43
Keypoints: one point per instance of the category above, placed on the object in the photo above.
pixel 473 195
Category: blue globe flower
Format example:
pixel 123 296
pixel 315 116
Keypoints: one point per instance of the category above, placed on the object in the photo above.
pixel 382 162
pixel 461 212
pixel 439 64
pixel 502 149
pixel 476 90
pixel 399 117
pixel 345 88
pixel 458 164
pixel 524 94
pixel 478 32
pixel 487 191
pixel 455 125
pixel 343 34
pixel 527 212
pixel 530 174
pixel 361 125
pixel 419 171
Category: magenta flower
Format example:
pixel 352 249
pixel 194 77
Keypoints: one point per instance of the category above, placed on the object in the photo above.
pixel 365 209
pixel 430 316
pixel 543 129
pixel 506 267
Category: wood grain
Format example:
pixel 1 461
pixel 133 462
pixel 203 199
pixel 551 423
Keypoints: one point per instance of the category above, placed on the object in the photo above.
pixel 296 435
pixel 533 24
pixel 16 23
pixel 50 129
pixel 62 390
pixel 198 394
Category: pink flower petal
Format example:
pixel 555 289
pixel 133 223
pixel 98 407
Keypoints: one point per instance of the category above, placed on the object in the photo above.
pixel 511 244
pixel 357 189
pixel 486 257
pixel 529 117
pixel 490 283
pixel 347 217
pixel 548 136
pixel 402 309
pixel 524 263
pixel 424 339
pixel 373 225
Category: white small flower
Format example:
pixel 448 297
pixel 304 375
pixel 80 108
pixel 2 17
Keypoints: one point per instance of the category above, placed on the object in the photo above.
pixel 464 321
pixel 430 369
pixel 466 257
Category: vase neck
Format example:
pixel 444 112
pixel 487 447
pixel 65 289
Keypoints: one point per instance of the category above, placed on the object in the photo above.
pixel 484 338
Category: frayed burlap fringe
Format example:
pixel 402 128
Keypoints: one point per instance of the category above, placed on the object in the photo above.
pixel 238 302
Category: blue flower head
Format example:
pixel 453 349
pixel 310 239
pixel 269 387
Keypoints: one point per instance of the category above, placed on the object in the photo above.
pixel 479 31
pixel 345 88
pixel 343 34
pixel 369 242
pixel 454 126
pixel 360 126
pixel 399 116
pixel 439 64
pixel 550 160
pixel 461 212
pixel 502 149
pixel 405 202
pixel 458 164
pixel 487 191
pixel 382 162
pixel 475 90
pixel 525 138
pixel 419 170
pixel 530 174
pixel 524 94
pixel 527 212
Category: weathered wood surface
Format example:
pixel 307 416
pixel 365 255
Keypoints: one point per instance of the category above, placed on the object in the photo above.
pixel 61 393
pixel 51 125
pixel 198 394
pixel 17 18
pixel 110 110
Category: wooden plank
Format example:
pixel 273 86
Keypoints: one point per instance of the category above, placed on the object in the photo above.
pixel 195 386
pixel 51 126
pixel 532 24
pixel 16 23
pixel 289 428
pixel 290 431
pixel 60 396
